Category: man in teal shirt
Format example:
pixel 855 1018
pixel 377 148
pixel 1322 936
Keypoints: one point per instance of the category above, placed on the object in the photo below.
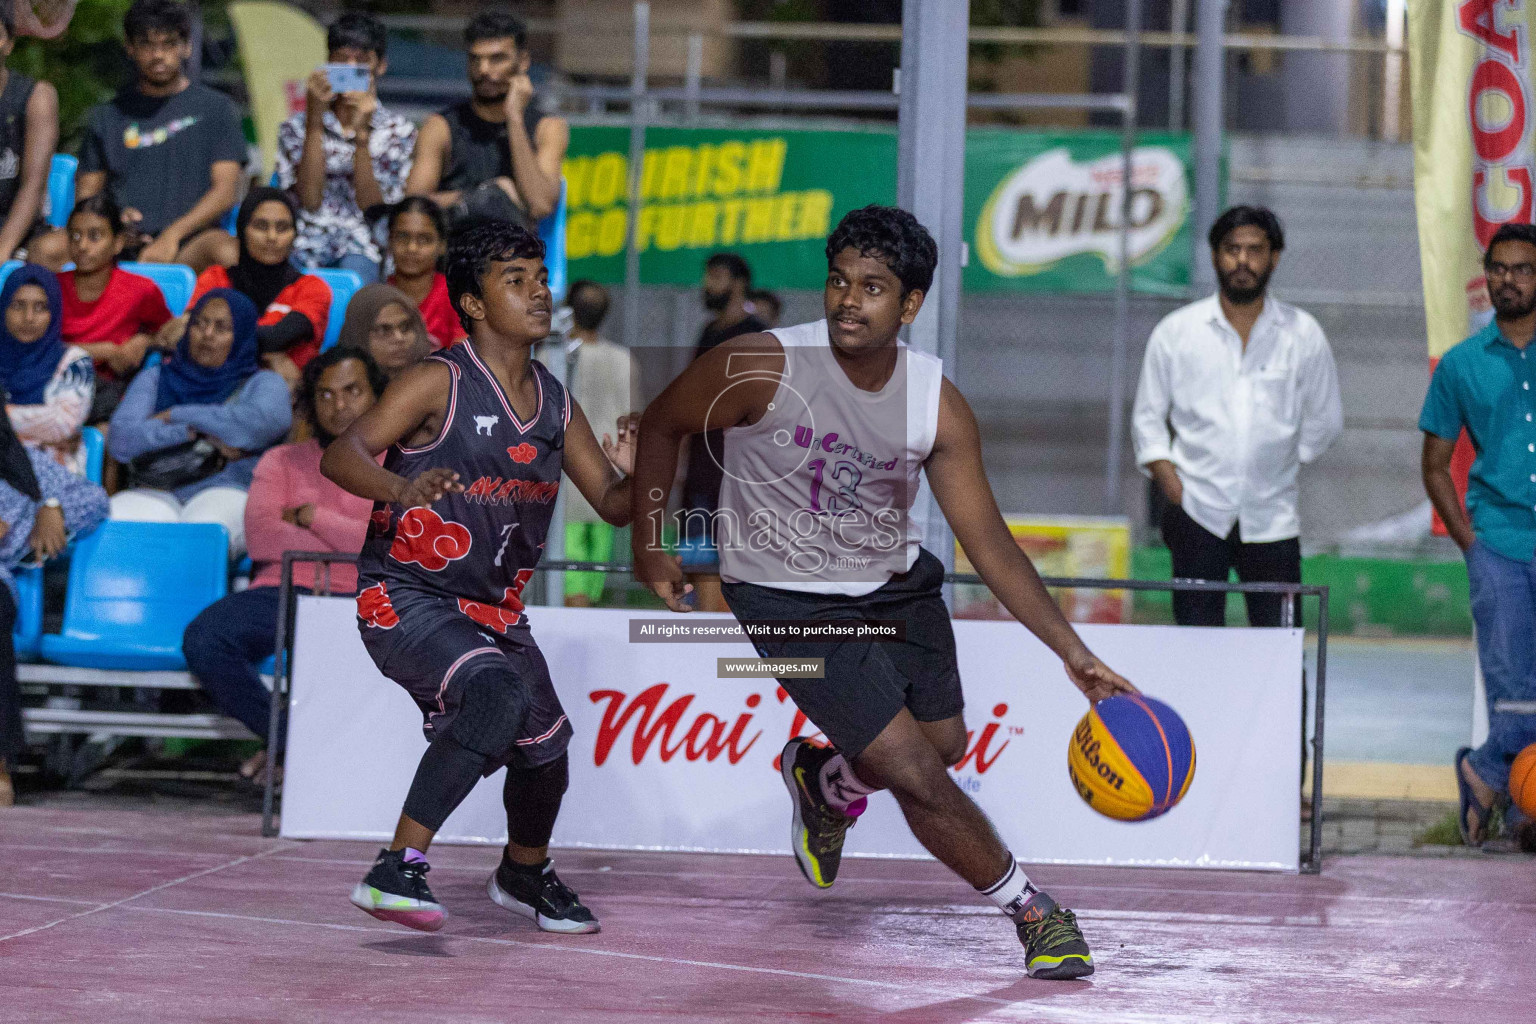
pixel 1487 386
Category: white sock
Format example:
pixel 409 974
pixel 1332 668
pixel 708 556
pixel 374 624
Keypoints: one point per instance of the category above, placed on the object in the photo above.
pixel 1011 891
pixel 842 788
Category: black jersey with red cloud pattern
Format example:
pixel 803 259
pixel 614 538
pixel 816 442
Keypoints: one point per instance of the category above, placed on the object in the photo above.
pixel 479 546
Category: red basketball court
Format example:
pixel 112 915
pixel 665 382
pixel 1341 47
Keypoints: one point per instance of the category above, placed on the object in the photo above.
pixel 160 916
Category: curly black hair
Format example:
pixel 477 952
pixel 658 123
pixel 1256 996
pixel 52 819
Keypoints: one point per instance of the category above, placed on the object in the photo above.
pixel 1248 217
pixel 146 16
pixel 894 237
pixel 472 251
pixel 305 400
pixel 357 30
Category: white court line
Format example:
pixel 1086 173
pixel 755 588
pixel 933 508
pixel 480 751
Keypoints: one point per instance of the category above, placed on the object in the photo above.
pixel 552 948
pixel 45 899
pixel 1414 901
pixel 127 851
pixel 152 889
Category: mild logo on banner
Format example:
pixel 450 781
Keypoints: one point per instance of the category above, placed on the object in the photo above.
pixel 1054 207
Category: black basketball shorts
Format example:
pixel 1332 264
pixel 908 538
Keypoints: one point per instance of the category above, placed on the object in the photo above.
pixel 426 644
pixel 866 683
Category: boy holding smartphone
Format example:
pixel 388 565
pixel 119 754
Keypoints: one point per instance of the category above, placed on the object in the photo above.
pixel 345 153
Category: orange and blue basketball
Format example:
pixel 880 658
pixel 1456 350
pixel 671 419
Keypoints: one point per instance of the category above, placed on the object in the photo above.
pixel 1131 758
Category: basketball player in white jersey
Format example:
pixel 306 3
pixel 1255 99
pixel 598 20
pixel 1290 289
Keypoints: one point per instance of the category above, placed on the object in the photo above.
pixel 828 427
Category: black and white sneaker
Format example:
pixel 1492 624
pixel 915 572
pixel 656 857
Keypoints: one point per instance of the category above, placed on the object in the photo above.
pixel 541 897
pixel 396 890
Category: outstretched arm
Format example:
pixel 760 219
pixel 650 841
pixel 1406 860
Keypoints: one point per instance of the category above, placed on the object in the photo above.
pixel 959 482
pixel 701 398
pixel 599 471
pixel 411 410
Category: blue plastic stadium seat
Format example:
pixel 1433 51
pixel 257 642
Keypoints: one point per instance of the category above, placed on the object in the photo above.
pixel 175 280
pixel 133 588
pixel 552 233
pixel 6 268
pixel 28 632
pixel 61 189
pixel 344 284
pixel 95 452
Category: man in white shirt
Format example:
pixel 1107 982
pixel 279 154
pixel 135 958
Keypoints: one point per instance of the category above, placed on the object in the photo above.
pixel 1237 392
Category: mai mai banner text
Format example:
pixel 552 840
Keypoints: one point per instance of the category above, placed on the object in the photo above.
pixel 1042 209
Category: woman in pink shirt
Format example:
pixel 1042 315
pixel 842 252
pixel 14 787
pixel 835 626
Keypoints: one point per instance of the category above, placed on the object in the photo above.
pixel 291 508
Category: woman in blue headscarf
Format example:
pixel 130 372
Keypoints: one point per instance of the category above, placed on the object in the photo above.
pixel 192 429
pixel 51 384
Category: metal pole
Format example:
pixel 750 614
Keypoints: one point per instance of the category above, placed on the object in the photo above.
pixel 279 677
pixel 1315 854
pixel 1178 23
pixel 693 76
pixel 637 117
pixel 930 178
pixel 1120 342
pixel 1392 84
pixel 1209 84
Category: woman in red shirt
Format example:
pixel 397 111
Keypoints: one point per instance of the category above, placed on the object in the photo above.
pixel 109 312
pixel 418 236
pixel 294 305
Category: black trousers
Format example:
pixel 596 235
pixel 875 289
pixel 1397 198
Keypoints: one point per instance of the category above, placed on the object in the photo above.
pixel 1199 554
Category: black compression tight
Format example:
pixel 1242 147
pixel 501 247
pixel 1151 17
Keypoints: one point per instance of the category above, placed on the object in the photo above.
pixel 448 771
pixel 532 798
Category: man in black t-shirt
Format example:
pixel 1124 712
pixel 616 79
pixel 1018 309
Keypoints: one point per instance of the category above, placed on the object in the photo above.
pixel 727 279
pixel 169 151
pixel 492 156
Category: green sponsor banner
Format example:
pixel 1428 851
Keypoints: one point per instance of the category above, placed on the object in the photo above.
pixel 771 196
pixel 1041 209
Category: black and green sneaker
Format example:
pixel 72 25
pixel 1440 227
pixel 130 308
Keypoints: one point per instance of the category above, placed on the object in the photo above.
pixel 816 828
pixel 1054 946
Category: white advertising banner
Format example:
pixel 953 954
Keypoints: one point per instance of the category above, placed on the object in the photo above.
pixel 667 756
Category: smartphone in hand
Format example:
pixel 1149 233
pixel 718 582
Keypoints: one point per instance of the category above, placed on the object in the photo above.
pixel 347 78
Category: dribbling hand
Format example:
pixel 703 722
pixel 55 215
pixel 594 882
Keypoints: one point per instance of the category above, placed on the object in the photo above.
pixel 1096 679
pixel 428 487
pixel 663 573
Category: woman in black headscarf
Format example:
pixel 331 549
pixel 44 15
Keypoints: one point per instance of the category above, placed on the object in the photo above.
pixel 293 306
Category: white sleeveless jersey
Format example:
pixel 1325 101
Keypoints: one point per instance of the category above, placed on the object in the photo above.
pixel 818 494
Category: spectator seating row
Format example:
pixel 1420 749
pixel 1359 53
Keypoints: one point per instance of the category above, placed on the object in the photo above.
pixel 132 590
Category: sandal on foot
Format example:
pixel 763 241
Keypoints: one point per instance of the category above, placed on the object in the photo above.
pixel 1466 801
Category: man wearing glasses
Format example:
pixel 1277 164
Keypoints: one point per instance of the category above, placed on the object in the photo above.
pixel 1484 386
pixel 1237 392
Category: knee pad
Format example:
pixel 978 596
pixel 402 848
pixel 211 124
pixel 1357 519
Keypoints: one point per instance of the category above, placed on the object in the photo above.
pixel 491 709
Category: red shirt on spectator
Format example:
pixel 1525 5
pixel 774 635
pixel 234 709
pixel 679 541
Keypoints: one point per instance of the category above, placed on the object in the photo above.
pixel 129 305
pixel 436 309
pixel 308 295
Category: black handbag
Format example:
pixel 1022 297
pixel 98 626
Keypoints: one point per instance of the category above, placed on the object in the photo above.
pixel 177 466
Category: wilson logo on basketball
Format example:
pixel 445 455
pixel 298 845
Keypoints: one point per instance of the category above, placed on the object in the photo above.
pixel 523 453
pixel 426 539
pixel 1089 747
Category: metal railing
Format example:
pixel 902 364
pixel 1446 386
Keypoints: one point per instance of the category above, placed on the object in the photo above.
pixel 1311 860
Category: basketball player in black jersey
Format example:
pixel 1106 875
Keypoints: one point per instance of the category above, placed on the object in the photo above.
pixel 477 437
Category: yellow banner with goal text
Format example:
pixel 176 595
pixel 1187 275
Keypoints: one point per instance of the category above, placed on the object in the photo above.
pixel 1474 155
